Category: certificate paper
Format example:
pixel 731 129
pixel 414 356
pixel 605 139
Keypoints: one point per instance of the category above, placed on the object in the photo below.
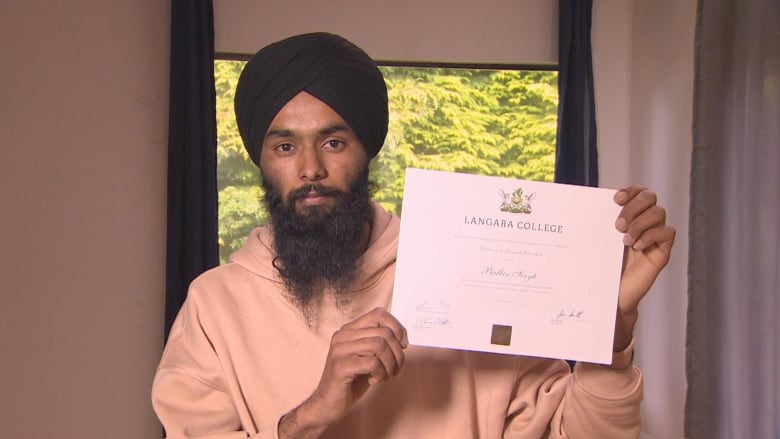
pixel 509 266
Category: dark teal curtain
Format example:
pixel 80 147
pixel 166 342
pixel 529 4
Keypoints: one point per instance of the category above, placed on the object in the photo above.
pixel 576 158
pixel 192 152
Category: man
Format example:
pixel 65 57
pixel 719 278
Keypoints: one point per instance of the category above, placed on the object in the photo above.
pixel 294 338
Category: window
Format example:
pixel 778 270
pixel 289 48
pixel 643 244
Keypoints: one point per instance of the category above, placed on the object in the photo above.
pixel 474 120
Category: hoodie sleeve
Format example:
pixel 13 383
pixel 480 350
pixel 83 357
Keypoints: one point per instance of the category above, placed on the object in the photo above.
pixel 593 401
pixel 602 401
pixel 190 395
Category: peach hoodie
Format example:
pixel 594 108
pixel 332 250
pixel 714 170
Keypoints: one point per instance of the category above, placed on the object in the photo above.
pixel 240 356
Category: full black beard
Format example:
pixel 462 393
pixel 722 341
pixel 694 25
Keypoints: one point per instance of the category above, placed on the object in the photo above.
pixel 319 250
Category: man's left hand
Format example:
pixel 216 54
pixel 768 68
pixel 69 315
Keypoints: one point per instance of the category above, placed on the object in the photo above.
pixel 648 241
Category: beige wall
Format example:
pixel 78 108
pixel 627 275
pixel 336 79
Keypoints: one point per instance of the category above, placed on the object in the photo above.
pixel 491 31
pixel 661 143
pixel 83 128
pixel 643 62
pixel 82 174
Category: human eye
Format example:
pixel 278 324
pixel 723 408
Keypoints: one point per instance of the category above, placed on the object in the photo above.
pixel 284 148
pixel 334 145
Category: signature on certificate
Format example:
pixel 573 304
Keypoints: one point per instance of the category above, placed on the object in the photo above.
pixel 568 315
pixel 432 321
pixel 434 313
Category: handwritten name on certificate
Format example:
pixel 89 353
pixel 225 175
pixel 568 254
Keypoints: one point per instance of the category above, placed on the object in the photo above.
pixel 509 266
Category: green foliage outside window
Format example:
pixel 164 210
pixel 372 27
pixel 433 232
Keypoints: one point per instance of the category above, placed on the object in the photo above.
pixel 490 122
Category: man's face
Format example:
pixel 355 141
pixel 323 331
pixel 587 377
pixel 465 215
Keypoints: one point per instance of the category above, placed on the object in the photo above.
pixel 315 175
pixel 308 151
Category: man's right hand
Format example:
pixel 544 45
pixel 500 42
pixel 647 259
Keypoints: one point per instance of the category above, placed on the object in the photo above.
pixel 362 353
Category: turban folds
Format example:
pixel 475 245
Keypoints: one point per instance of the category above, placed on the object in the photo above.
pixel 324 65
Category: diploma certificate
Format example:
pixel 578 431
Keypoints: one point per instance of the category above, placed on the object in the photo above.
pixel 509 266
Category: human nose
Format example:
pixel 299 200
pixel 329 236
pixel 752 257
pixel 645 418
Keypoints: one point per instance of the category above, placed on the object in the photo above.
pixel 310 166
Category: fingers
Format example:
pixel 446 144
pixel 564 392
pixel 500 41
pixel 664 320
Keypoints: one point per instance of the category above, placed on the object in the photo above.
pixel 362 353
pixel 641 219
pixel 628 193
pixel 641 230
pixel 662 236
pixel 380 317
pixel 371 345
pixel 373 351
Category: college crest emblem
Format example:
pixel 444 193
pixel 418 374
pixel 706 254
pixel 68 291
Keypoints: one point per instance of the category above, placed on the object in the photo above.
pixel 516 201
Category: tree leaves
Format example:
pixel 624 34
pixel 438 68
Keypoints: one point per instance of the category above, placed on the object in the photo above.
pixel 490 122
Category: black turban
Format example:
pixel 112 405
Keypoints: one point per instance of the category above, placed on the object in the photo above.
pixel 324 65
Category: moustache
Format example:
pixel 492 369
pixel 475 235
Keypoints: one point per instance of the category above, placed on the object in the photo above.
pixel 317 188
